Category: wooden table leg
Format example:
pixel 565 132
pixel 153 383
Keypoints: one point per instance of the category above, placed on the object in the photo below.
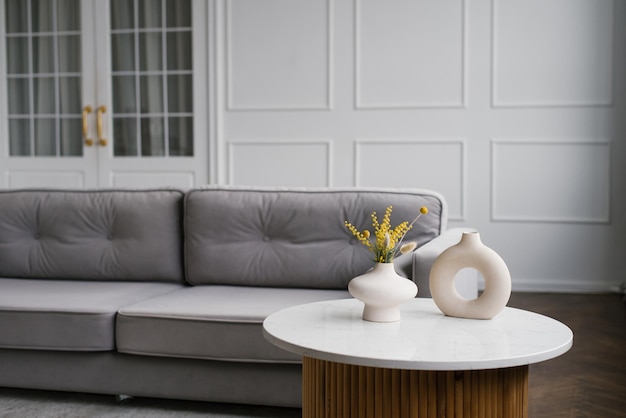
pixel 339 390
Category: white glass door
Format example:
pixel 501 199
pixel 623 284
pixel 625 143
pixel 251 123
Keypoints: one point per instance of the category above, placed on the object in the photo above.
pixel 153 94
pixel 43 63
pixel 104 94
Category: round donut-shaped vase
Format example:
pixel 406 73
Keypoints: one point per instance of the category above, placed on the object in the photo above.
pixel 470 252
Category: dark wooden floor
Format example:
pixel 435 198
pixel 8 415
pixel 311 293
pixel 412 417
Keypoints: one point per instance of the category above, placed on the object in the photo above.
pixel 590 379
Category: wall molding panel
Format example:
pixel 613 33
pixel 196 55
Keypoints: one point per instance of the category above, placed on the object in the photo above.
pixel 135 179
pixel 275 65
pixel 280 163
pixel 427 70
pixel 550 180
pixel 19 179
pixel 563 59
pixel 436 164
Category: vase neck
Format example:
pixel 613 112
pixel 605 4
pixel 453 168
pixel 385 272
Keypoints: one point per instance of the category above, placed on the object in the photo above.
pixel 470 238
pixel 384 266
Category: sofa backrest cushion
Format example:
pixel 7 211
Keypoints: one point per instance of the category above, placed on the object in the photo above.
pixel 92 235
pixel 293 237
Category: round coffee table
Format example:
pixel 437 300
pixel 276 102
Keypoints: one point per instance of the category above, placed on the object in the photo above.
pixel 426 365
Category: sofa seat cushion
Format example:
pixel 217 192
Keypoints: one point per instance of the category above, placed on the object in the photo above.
pixel 67 315
pixel 211 322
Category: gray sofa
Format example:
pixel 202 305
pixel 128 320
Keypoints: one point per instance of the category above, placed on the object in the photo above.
pixel 162 293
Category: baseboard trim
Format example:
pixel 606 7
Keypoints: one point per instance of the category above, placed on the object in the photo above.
pixel 561 286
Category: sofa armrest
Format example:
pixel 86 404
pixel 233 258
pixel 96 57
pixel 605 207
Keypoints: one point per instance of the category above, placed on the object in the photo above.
pixel 424 257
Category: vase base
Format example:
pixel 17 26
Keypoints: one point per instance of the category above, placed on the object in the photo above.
pixel 381 314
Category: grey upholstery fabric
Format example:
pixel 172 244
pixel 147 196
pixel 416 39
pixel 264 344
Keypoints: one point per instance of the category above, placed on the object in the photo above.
pixel 92 297
pixel 67 315
pixel 211 322
pixel 158 377
pixel 291 237
pixel 91 235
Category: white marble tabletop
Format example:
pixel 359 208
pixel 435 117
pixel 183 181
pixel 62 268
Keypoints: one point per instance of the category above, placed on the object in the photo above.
pixel 424 339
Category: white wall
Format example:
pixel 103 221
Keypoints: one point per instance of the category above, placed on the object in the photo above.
pixel 513 109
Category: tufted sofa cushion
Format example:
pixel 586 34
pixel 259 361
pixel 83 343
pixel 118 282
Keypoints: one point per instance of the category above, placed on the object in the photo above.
pixel 91 235
pixel 293 237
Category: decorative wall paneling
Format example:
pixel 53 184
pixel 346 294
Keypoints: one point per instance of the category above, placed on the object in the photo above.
pixel 282 60
pixel 285 163
pixel 155 179
pixel 17 179
pixel 397 63
pixel 432 164
pixel 513 110
pixel 551 181
pixel 564 58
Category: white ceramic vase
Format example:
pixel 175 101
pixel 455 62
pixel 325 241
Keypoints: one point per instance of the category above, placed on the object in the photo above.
pixel 382 290
pixel 470 252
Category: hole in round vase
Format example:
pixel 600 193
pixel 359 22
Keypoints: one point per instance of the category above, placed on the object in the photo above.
pixel 465 282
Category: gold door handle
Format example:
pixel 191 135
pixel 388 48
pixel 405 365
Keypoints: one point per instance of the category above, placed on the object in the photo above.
pixel 101 139
pixel 86 111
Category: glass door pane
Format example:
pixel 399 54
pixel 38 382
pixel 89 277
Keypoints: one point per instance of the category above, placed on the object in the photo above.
pixel 151 59
pixel 44 77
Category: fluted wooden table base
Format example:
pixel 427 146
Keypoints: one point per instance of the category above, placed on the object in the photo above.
pixel 341 390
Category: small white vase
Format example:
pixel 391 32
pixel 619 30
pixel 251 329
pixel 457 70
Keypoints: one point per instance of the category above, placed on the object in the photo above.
pixel 470 252
pixel 382 291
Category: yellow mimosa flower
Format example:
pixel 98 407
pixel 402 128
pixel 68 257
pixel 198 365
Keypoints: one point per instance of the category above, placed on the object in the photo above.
pixel 386 240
